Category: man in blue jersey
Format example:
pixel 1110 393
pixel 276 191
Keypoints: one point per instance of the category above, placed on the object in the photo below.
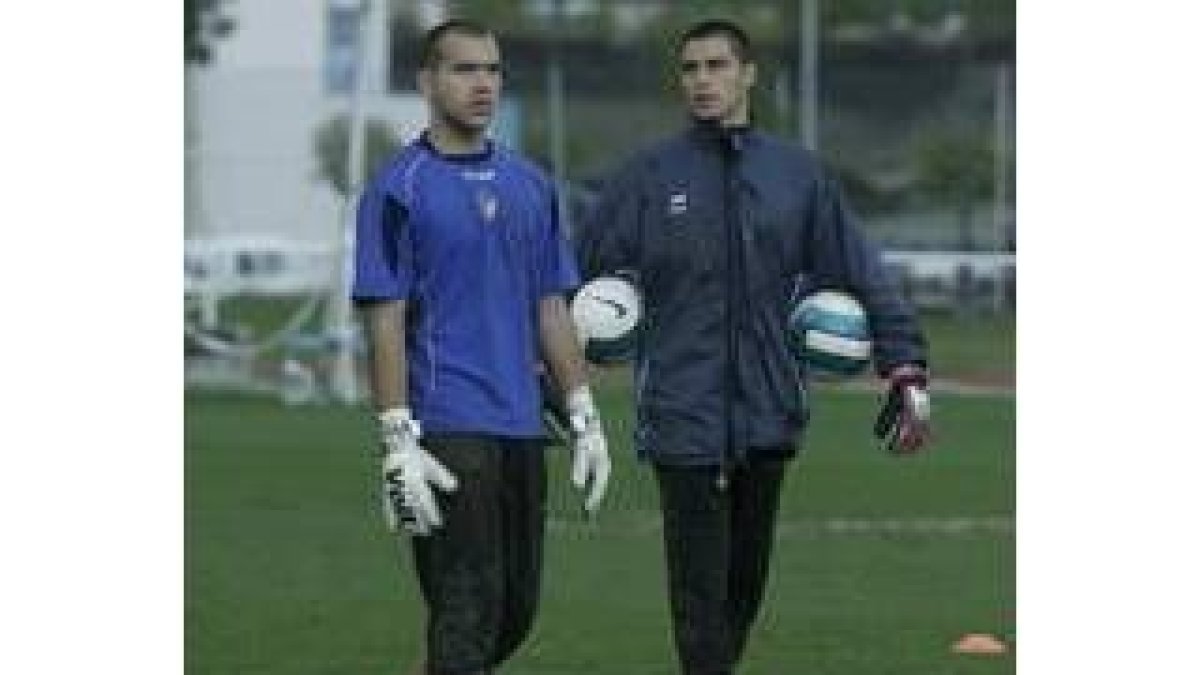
pixel 460 270
pixel 717 224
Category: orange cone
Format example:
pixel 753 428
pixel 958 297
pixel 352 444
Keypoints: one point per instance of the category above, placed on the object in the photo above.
pixel 979 643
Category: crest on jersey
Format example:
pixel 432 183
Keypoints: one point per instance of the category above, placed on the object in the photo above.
pixel 487 203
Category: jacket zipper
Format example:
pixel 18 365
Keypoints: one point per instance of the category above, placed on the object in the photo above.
pixel 732 271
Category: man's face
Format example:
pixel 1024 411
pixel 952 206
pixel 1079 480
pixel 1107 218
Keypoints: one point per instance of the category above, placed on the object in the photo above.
pixel 463 86
pixel 715 82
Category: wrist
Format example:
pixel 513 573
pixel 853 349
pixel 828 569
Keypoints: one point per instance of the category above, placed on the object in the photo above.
pixel 394 415
pixel 582 409
pixel 398 421
pixel 580 400
pixel 909 374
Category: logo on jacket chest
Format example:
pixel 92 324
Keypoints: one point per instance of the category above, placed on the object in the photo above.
pixel 677 203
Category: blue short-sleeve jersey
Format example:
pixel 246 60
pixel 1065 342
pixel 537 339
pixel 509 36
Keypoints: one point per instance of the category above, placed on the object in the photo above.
pixel 472 243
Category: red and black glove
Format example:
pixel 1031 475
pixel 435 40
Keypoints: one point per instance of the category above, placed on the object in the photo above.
pixel 903 423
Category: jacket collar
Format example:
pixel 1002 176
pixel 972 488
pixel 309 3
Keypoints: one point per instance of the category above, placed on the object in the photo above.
pixel 729 141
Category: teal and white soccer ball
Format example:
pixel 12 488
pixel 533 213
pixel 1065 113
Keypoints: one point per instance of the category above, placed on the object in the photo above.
pixel 829 333
pixel 608 315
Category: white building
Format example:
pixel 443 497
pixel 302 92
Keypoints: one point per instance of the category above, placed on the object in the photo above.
pixel 251 167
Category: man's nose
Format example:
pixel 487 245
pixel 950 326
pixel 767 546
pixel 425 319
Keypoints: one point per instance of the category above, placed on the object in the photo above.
pixel 484 82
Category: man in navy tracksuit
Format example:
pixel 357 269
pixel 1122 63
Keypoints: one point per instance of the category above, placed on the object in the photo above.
pixel 717 225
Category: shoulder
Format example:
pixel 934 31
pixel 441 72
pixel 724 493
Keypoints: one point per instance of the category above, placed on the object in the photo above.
pixel 651 159
pixel 667 150
pixel 520 166
pixel 397 176
pixel 770 147
pixel 781 165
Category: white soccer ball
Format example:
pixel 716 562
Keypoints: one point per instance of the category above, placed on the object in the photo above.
pixel 830 334
pixel 608 314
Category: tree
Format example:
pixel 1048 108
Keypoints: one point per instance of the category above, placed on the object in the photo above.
pixel 957 168
pixel 204 22
pixel 332 144
pixel 984 17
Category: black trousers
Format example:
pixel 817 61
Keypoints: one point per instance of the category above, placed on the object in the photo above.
pixel 480 573
pixel 718 543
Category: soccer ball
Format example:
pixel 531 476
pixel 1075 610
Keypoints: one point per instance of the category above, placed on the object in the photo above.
pixel 829 334
pixel 608 314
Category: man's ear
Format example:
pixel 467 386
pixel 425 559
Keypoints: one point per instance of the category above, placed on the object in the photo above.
pixel 423 76
pixel 751 74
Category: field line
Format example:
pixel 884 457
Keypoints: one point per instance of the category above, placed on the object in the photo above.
pixel 643 522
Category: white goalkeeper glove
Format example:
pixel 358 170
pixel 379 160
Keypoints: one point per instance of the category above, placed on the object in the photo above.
pixel 409 475
pixel 590 448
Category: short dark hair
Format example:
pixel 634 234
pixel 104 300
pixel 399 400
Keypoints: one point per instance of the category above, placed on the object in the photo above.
pixel 433 37
pixel 720 28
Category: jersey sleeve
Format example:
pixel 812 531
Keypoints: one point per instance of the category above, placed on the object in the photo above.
pixel 383 250
pixel 557 271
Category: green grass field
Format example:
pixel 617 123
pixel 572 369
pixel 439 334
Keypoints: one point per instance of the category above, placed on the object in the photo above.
pixel 976 346
pixel 880 563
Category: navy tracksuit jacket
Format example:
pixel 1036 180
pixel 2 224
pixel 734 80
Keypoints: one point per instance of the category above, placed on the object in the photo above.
pixel 719 226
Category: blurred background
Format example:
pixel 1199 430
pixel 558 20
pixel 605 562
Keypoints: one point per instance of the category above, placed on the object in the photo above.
pixel 289 107
pixel 880 565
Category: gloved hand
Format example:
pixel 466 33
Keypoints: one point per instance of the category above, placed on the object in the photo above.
pixel 590 447
pixel 409 475
pixel 903 422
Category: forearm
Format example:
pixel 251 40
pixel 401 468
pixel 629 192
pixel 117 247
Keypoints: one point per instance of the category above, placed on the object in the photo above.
pixel 590 464
pixel 896 332
pixel 560 345
pixel 384 324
